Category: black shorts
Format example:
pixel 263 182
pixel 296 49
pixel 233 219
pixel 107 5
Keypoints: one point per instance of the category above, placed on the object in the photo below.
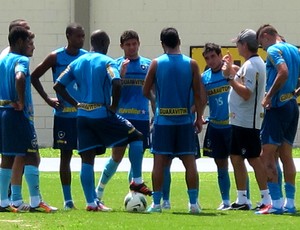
pixel 245 142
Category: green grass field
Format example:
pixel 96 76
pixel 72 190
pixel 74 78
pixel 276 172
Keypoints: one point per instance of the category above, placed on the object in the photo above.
pixel 49 152
pixel 176 218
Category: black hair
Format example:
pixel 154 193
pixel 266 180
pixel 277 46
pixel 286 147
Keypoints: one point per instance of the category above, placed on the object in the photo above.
pixel 210 47
pixel 19 32
pixel 169 37
pixel 129 34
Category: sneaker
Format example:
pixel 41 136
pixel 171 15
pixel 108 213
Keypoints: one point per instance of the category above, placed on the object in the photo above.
pixel 43 207
pixel 102 207
pixel 154 208
pixel 141 188
pixel 69 206
pixel 8 208
pixel 22 207
pixel 223 207
pixel 93 208
pixel 166 204
pixel 194 208
pixel 235 206
pixel 292 210
pixel 261 206
pixel 270 210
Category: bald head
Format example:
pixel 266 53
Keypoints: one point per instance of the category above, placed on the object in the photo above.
pixel 100 41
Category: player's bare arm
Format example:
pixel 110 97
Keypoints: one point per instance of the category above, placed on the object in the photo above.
pixel 149 81
pixel 20 87
pixel 40 70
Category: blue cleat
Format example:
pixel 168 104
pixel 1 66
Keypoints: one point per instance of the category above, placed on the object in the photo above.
pixel 270 210
pixel 292 210
pixel 154 208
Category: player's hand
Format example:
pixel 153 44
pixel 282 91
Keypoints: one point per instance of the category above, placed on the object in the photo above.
pixel 18 106
pixel 198 125
pixel 124 67
pixel 266 102
pixel 227 69
pixel 54 103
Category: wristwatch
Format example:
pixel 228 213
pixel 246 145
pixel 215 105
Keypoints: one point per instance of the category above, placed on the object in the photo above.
pixel 230 77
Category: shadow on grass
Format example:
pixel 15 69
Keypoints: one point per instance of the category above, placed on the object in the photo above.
pixel 203 213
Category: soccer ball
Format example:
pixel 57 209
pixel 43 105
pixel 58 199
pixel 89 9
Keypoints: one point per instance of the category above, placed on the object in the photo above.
pixel 135 202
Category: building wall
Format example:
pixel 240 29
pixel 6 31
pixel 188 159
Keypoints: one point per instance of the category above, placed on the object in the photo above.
pixel 198 22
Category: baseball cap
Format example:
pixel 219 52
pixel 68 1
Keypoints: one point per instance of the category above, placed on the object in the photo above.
pixel 248 36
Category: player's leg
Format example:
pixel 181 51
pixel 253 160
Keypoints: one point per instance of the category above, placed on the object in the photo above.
pixel 66 177
pixel 87 178
pixel 223 182
pixel 109 170
pixel 65 139
pixel 166 185
pixel 159 162
pixel 16 184
pixel 5 178
pixel 136 154
pixel 289 170
pixel 261 179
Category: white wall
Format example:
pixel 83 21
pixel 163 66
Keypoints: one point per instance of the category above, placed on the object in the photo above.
pixel 198 22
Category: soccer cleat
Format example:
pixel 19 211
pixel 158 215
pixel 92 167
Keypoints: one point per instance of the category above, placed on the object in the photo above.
pixel 8 208
pixel 93 208
pixel 270 210
pixel 69 206
pixel 141 188
pixel 166 204
pixel 235 206
pixel 292 210
pixel 194 208
pixel 154 208
pixel 223 207
pixel 22 207
pixel 43 207
pixel 102 207
pixel 261 206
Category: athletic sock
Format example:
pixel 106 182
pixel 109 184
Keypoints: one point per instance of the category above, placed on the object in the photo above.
pixel 135 155
pixel 67 192
pixel 290 195
pixel 16 195
pixel 109 170
pixel 265 196
pixel 193 195
pixel 242 197
pixel 88 181
pixel 31 174
pixel 248 188
pixel 224 184
pixel 279 172
pixel 166 183
pixel 156 197
pixel 5 177
pixel 275 194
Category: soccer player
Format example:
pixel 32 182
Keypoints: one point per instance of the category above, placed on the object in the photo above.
pixel 281 117
pixel 245 116
pixel 174 76
pixel 98 125
pixel 17 120
pixel 15 188
pixel 217 139
pixel 64 129
pixel 134 107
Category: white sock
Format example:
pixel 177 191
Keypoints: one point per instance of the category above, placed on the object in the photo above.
pixel 35 201
pixel 289 203
pixel 265 197
pixel 242 197
pixel 137 180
